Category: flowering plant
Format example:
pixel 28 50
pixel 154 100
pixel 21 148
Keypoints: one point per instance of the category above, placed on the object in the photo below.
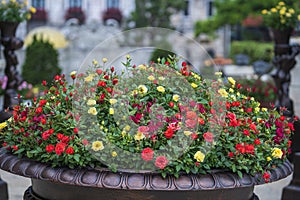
pixel 14 11
pixel 281 17
pixel 264 92
pixel 150 117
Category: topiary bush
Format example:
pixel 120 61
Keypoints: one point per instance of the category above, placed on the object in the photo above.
pixel 41 62
pixel 255 50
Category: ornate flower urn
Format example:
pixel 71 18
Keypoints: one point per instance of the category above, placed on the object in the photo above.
pixel 10 43
pixel 87 183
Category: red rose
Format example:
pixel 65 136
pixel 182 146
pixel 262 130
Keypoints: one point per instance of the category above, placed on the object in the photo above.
pixel 161 162
pixel 70 150
pixel 257 141
pixel 65 139
pixel 230 154
pixel 101 83
pixel 194 136
pixel 38 110
pixel 99 71
pixel 60 148
pixel 75 130
pixel 44 83
pixel 59 136
pixel 266 176
pixel 247 132
pixel 115 81
pixel 191 123
pixel 252 127
pixel 50 148
pixel 169 133
pixel 208 137
pixel 201 121
pixel 249 148
pixel 43 102
pixel 191 115
pixel 171 104
pixel 85 142
pixel 147 154
pixel 16 148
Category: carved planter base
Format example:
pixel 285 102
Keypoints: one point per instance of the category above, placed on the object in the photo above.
pixel 63 183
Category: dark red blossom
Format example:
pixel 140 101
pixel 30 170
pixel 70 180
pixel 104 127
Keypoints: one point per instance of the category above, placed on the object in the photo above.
pixel 230 154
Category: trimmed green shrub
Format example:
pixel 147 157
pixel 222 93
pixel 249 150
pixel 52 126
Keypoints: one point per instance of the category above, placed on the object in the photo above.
pixel 255 50
pixel 41 62
pixel 160 53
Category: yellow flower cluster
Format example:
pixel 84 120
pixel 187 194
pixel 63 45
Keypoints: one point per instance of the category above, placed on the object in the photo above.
pixel 199 156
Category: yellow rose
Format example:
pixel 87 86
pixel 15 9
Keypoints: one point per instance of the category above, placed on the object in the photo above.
pixel 113 101
pixel 218 73
pixel 288 15
pixel 97 145
pixel 223 92
pixel 92 111
pixel 176 97
pixel 142 67
pixel 273 10
pixel 114 154
pixel 264 109
pixel 199 156
pixel 32 10
pixel 127 56
pixel 298 17
pixel 95 62
pixel 139 136
pixel 281 3
pixel 73 73
pixel 91 102
pixel 111 111
pixel 187 133
pixel 277 153
pixel 269 158
pixel 151 78
pixel 104 60
pixel 194 85
pixel 127 128
pixel 257 109
pixel 3 125
pixel 282 11
pixel 291 10
pixel 231 80
pixel 142 89
pixel 264 12
pixel 231 90
pixel 161 89
pixel 89 78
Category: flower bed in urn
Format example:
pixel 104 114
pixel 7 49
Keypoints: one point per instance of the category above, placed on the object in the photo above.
pixel 158 117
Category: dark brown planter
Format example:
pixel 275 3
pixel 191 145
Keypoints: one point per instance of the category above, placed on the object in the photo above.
pixel 282 40
pixel 8 29
pixel 63 183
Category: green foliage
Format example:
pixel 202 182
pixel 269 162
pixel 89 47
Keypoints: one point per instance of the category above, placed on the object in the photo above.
pixel 155 13
pixel 232 12
pixel 207 26
pixel 255 50
pixel 41 62
pixel 160 53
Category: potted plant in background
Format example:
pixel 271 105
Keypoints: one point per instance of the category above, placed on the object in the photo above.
pixel 11 14
pixel 153 130
pixel 282 19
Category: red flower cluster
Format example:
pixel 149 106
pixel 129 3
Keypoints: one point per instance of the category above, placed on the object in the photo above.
pixel 245 148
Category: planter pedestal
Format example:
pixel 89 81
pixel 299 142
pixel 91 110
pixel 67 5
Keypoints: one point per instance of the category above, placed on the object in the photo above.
pixel 63 183
pixel 3 190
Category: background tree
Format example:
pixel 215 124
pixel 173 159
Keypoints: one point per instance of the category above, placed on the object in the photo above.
pixel 155 13
pixel 41 62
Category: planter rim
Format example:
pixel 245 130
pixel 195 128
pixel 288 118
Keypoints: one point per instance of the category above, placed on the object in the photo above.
pixel 104 178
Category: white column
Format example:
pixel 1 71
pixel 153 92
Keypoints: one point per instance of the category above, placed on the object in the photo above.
pixel 56 11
